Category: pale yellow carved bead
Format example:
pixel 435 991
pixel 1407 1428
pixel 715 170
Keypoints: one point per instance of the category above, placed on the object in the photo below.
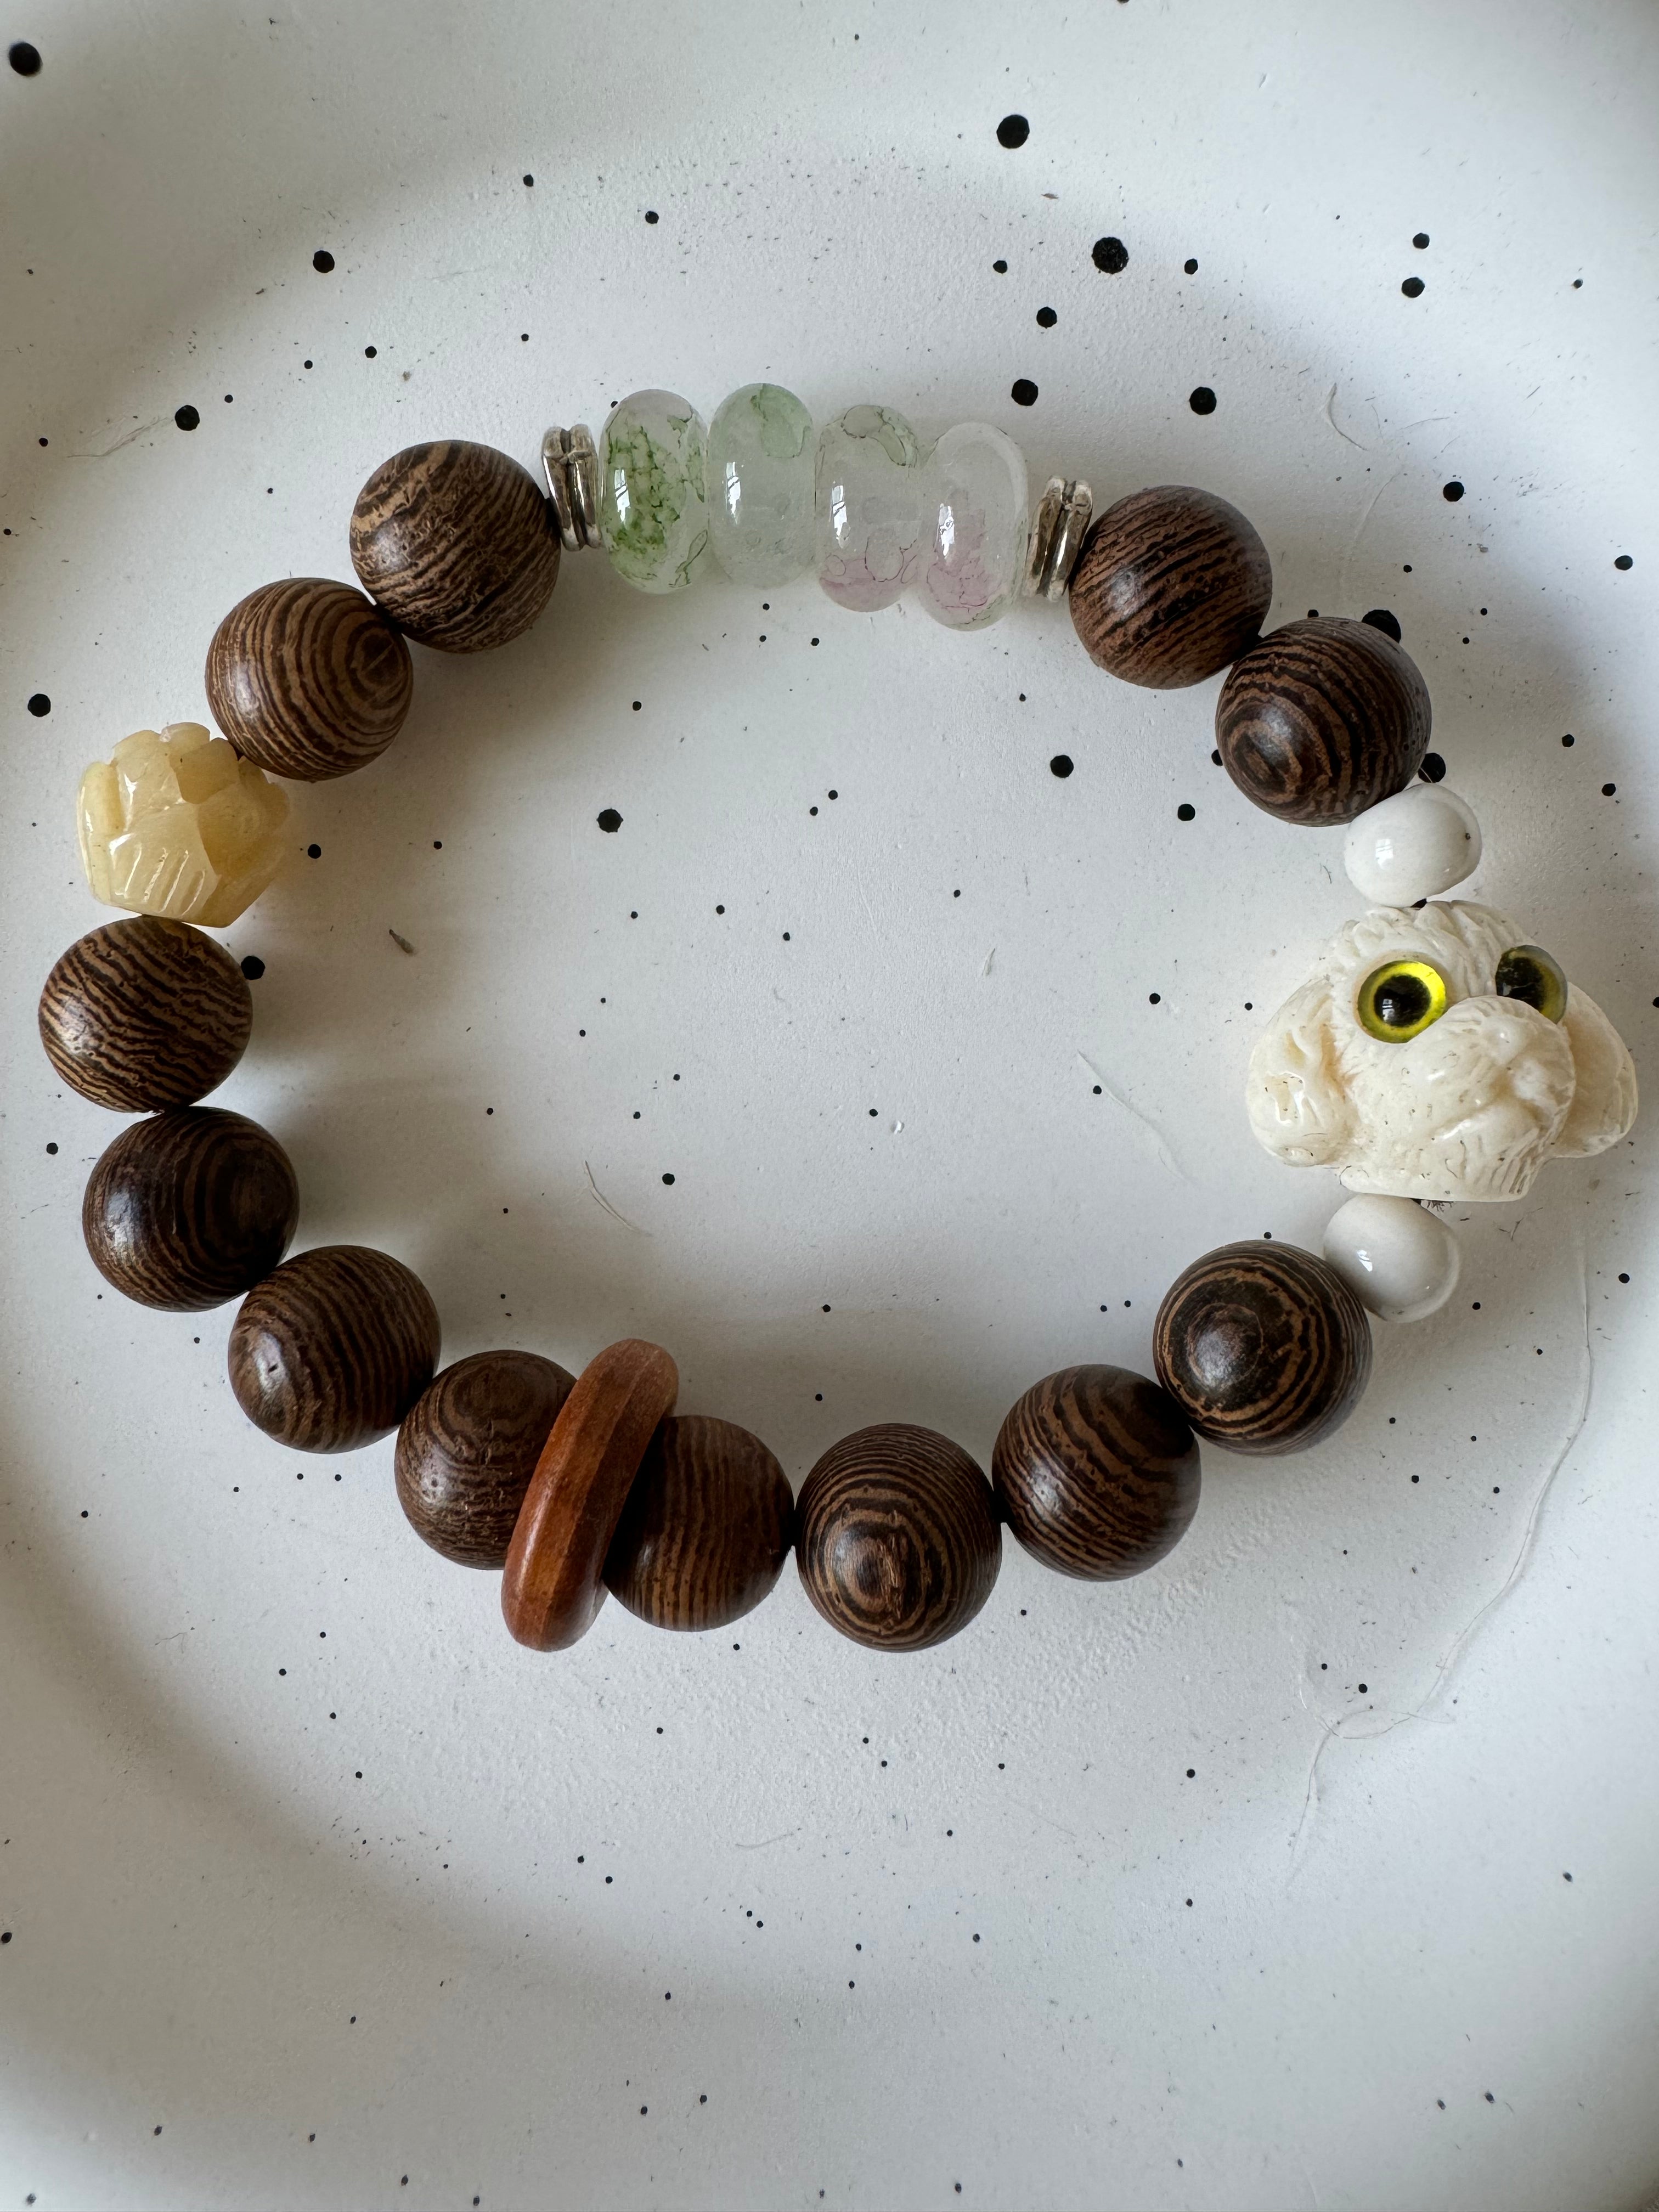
pixel 176 823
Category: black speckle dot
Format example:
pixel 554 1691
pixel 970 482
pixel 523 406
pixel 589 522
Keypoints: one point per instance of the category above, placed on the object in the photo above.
pixel 51 1148
pixel 1453 491
pixel 313 852
pixel 1433 770
pixel 1380 618
pixel 1412 288
pixel 1202 399
pixel 651 215
pixel 1111 256
pixel 1491 2099
pixel 1190 266
pixel 1215 759
pixel 1624 560
pixel 667 1178
pixel 1565 1876
pixel 1567 740
pixel 1046 318
pixel 26 60
pixel 1023 392
pixel 786 937
pixel 1153 998
pixel 609 820
pixel 187 417
pixel 1001 268
pixel 1013 131
pixel 1624 1279
pixel 1607 790
pixel 322 260
pixel 528 178
pixel 253 967
pixel 1061 765
pixel 1185 812
pixel 369 352
pixel 40 704
pixel 1420 240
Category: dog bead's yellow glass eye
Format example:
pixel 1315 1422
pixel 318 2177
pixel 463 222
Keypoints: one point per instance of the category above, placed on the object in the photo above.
pixel 1399 1000
pixel 1527 971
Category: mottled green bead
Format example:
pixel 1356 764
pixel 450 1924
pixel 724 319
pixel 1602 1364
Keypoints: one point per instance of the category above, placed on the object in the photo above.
pixel 652 517
pixel 762 458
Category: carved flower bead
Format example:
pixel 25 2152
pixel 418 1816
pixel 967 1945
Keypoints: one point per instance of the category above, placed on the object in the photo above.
pixel 174 823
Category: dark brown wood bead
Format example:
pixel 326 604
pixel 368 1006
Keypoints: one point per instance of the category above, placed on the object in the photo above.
pixel 1172 584
pixel 308 679
pixel 707 1526
pixel 457 542
pixel 333 1349
pixel 468 1447
pixel 189 1208
pixel 1323 719
pixel 553 1584
pixel 1097 1471
pixel 896 1537
pixel 145 1013
pixel 1263 1347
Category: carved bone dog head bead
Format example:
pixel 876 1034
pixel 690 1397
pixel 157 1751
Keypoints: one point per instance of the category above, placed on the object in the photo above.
pixel 1436 1053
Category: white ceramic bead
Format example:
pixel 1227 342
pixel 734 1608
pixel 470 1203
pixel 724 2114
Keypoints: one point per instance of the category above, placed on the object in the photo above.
pixel 1396 1257
pixel 1411 846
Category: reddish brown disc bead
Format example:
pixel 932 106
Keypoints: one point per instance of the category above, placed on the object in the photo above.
pixel 189 1208
pixel 1263 1347
pixel 1321 720
pixel 457 542
pixel 1172 584
pixel 332 1350
pixel 308 679
pixel 896 1537
pixel 145 1013
pixel 1098 1472
pixel 706 1529
pixel 553 1584
pixel 468 1447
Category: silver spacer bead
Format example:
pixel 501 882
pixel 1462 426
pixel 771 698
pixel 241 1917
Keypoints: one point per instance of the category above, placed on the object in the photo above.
pixel 1058 530
pixel 571 465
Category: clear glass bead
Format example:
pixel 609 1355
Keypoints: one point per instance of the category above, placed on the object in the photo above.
pixel 653 518
pixel 760 475
pixel 982 525
pixel 874 521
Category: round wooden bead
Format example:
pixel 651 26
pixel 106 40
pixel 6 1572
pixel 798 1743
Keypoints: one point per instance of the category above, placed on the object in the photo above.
pixel 896 1537
pixel 189 1208
pixel 308 679
pixel 333 1349
pixel 554 1582
pixel 145 1013
pixel 468 1447
pixel 1263 1347
pixel 706 1529
pixel 457 542
pixel 1321 720
pixel 1172 584
pixel 1098 1472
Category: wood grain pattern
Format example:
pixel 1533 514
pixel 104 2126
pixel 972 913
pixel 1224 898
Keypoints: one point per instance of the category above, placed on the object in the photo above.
pixel 457 542
pixel 1098 1472
pixel 896 1537
pixel 554 1582
pixel 706 1529
pixel 308 679
pixel 189 1208
pixel 468 1447
pixel 1171 585
pixel 1263 1347
pixel 146 1013
pixel 332 1350
pixel 1323 719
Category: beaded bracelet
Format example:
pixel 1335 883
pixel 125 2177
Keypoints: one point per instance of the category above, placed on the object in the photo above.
pixel 1432 1054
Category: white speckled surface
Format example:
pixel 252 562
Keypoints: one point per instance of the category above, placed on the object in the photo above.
pixel 239 1975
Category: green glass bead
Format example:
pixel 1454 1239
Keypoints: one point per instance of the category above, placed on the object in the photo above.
pixel 762 458
pixel 653 518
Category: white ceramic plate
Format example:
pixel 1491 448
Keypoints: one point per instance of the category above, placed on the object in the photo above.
pixel 314 1882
